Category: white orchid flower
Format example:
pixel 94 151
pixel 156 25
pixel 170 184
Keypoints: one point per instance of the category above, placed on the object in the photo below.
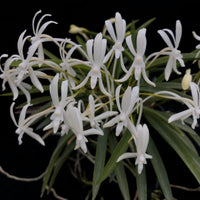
pixel 130 97
pixel 95 121
pixel 174 53
pixel 141 138
pixel 10 76
pixel 118 38
pixel 193 109
pixel 38 32
pixel 74 121
pixel 139 62
pixel 197 38
pixel 25 69
pixel 66 63
pixel 23 127
pixel 58 112
pixel 96 51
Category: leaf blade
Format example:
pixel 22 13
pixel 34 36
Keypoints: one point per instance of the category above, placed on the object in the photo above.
pixel 160 170
pixel 99 162
pixel 160 124
pixel 112 162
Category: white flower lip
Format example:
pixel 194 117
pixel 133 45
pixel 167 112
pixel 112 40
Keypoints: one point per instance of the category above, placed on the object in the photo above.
pixel 174 53
pixel 138 63
pixel 141 141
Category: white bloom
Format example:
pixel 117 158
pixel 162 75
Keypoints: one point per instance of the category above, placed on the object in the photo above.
pixel 96 51
pixel 139 62
pixel 141 138
pixel 38 32
pixel 130 97
pixel 74 121
pixel 58 112
pixel 10 76
pixel 23 127
pixel 197 38
pixel 25 69
pixel 118 38
pixel 174 53
pixel 193 109
pixel 66 64
pixel 96 120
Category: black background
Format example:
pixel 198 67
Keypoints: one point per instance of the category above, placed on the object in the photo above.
pixel 30 159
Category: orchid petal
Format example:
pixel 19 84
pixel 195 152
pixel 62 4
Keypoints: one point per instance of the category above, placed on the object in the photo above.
pixel 120 25
pixel 126 155
pixel 195 93
pixel 54 90
pixel 82 83
pixel 165 38
pixel 113 121
pixel 141 41
pixel 89 46
pixel 105 115
pixel 178 33
pixel 92 131
pixel 101 86
pixel 181 115
pixel 126 99
pixel 110 29
pixel 64 91
pixel 35 136
pixel 130 45
pixel 119 128
pixel 35 80
pixel 22 115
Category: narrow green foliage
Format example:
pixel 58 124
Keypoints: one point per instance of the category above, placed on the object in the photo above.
pixel 141 181
pixel 112 162
pixel 160 170
pixel 175 140
pixel 99 162
pixel 62 142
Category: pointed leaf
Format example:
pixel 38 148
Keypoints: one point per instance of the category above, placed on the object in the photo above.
pixel 160 170
pixel 120 172
pixel 99 162
pixel 121 147
pixel 141 181
pixel 62 142
pixel 175 140
pixel 59 163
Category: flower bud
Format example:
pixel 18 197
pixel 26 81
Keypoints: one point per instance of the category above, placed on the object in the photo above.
pixel 75 29
pixel 186 80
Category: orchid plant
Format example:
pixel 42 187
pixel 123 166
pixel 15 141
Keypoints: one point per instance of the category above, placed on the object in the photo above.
pixel 103 84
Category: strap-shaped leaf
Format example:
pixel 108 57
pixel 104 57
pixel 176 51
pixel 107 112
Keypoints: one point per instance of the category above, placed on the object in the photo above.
pixel 141 181
pixel 61 144
pixel 99 162
pixel 120 171
pixel 160 170
pixel 59 163
pixel 175 140
pixel 121 147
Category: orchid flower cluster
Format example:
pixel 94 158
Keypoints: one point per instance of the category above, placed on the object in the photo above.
pixel 94 85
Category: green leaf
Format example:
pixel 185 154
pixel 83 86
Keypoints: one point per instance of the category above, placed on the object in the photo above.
pixel 175 140
pixel 120 171
pixel 160 170
pixel 141 182
pixel 121 147
pixel 122 181
pixel 99 162
pixel 50 55
pixel 62 142
pixel 59 163
pixel 134 33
